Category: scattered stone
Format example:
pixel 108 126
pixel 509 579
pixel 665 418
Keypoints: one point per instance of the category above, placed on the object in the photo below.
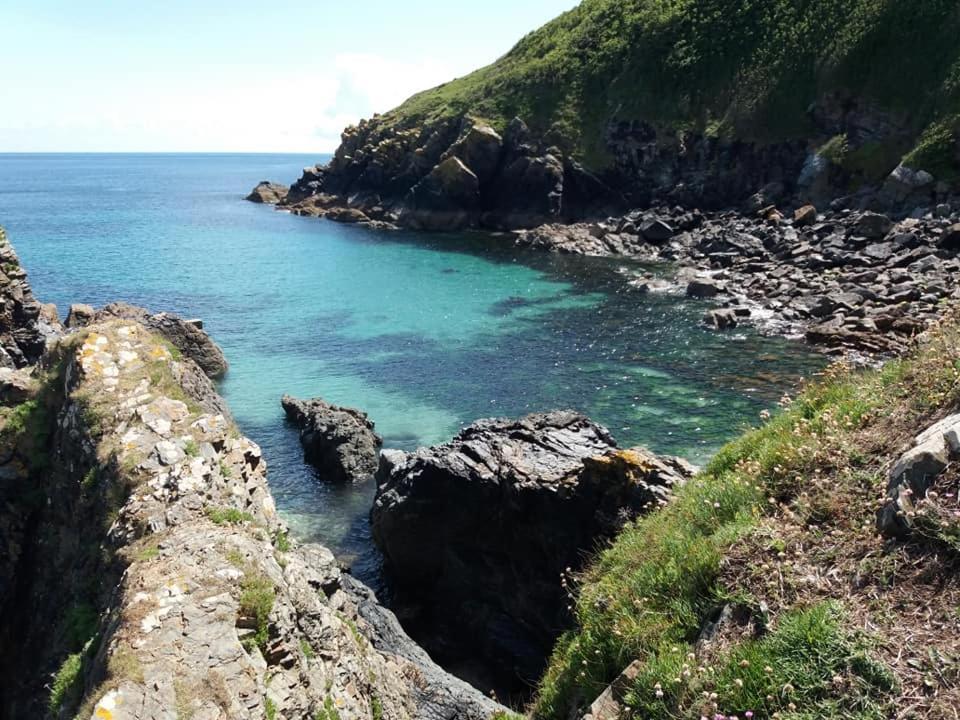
pixel 805 216
pixel 703 289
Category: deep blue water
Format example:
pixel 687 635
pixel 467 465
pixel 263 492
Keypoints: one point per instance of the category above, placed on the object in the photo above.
pixel 424 332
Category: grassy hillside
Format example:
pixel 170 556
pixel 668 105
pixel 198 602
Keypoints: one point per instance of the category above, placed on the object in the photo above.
pixel 781 527
pixel 743 68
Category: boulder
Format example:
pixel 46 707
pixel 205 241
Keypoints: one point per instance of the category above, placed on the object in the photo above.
pixel 529 191
pixel 445 199
pixel 873 226
pixel 268 193
pixel 702 289
pixel 950 239
pixel 805 216
pixel 339 442
pixel 189 339
pixel 346 215
pixel 480 149
pixel 915 472
pixel 721 319
pixel 656 231
pixel 476 533
pixel 80 315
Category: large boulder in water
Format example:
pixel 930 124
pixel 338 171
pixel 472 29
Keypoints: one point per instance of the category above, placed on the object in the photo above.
pixel 339 442
pixel 187 336
pixel 268 193
pixel 477 533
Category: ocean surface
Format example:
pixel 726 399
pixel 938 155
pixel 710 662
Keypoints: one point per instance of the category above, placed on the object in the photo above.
pixel 424 332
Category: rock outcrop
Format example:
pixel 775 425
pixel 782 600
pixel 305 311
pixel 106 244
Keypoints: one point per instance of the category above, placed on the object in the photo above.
pixel 479 533
pixel 145 574
pixel 268 193
pixel 23 331
pixel 187 336
pixel 339 442
pixel 446 175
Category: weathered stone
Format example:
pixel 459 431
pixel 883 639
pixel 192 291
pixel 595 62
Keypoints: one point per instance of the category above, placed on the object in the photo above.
pixel 873 225
pixel 268 193
pixel 476 533
pixel 80 315
pixel 339 442
pixel 185 335
pixel 703 289
pixel 805 216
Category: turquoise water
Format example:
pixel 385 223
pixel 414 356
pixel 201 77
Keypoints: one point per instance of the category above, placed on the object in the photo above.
pixel 425 333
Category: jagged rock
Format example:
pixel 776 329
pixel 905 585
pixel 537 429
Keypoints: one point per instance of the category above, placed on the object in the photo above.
pixel 80 315
pixel 347 215
pixel 611 704
pixel 480 149
pixel 445 198
pixel 656 230
pixel 805 216
pixel 339 442
pixel 529 192
pixel 269 193
pixel 16 386
pixel 721 319
pixel 167 539
pixel 703 289
pixel 22 336
pixel 189 339
pixel 914 473
pixel 476 533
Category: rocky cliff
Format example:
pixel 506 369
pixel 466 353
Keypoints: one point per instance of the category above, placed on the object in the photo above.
pixel 145 571
pixel 631 103
pixel 481 535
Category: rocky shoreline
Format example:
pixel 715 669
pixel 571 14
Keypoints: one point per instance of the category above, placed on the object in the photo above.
pixel 858 273
pixel 844 280
pixel 145 573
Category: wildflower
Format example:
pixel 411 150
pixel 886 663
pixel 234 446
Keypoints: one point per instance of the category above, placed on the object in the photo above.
pixel 768 669
pixel 744 663
pixel 748 714
pixel 738 682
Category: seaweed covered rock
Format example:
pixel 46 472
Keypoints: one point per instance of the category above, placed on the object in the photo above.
pixel 340 442
pixel 478 533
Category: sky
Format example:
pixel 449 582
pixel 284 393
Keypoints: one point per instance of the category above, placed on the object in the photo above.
pixel 237 76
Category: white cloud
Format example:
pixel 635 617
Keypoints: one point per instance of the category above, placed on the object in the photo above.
pixel 249 109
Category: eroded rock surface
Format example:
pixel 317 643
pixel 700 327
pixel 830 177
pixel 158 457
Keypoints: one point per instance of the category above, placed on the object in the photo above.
pixel 340 442
pixel 160 583
pixel 187 336
pixel 23 332
pixel 478 533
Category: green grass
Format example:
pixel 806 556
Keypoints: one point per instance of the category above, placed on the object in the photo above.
pixel 256 601
pixel 66 682
pixel 655 586
pixel 270 709
pixel 228 516
pixel 746 69
pixel 328 711
pixel 808 662
pixel 282 541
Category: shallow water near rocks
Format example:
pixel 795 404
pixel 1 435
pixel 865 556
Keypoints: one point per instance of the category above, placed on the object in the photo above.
pixel 424 332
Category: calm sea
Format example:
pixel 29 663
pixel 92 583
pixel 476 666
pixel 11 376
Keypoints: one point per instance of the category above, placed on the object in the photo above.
pixel 424 332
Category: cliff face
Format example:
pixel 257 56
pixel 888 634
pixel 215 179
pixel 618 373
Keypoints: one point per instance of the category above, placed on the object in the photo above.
pixel 147 574
pixel 692 102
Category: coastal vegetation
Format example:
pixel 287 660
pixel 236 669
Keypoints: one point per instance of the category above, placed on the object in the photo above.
pixel 746 70
pixel 792 500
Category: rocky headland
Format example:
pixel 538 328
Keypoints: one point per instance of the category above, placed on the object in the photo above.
pixel 483 536
pixel 145 572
